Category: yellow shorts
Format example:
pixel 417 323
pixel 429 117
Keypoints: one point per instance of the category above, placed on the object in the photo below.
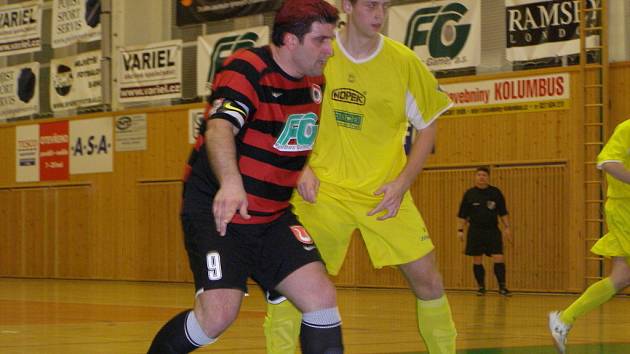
pixel 616 243
pixel 331 222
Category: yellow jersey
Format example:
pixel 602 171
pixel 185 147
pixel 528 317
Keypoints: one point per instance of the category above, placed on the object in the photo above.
pixel 617 149
pixel 366 110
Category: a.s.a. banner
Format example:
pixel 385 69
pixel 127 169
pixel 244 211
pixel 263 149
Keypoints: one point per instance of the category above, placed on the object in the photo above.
pixel 21 28
pixel 213 49
pixel 445 34
pixel 19 90
pixel 200 11
pixel 75 21
pixel 91 148
pixel 545 28
pixel 510 95
pixel 76 81
pixel 150 72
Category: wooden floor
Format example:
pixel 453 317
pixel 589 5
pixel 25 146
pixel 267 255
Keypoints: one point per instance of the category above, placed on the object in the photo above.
pixel 60 316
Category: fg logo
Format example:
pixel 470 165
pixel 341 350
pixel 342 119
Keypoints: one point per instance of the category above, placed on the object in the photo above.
pixel 299 133
pixel 437 28
pixel 225 47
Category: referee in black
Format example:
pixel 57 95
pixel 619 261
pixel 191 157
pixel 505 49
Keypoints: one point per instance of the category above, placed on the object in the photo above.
pixel 481 209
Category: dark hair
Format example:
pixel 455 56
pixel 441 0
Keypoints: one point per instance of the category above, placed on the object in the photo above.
pixel 485 169
pixel 297 16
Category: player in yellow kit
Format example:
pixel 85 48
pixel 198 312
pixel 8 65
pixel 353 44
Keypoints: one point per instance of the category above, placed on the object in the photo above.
pixel 359 177
pixel 615 160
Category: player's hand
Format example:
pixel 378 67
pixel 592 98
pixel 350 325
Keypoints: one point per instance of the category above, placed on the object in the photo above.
pixel 460 235
pixel 308 185
pixel 230 198
pixel 392 197
pixel 507 234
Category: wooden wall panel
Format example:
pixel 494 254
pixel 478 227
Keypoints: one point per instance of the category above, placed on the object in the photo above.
pixel 35 253
pixel 10 238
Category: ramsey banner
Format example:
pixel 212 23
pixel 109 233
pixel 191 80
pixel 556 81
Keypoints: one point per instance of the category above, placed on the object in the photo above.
pixel 75 21
pixel 531 93
pixel 53 151
pixel 91 145
pixel 200 11
pixel 19 90
pixel 445 34
pixel 21 28
pixel 75 81
pixel 213 49
pixel 541 29
pixel 27 153
pixel 151 72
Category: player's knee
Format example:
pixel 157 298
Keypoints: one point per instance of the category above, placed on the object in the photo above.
pixel 216 322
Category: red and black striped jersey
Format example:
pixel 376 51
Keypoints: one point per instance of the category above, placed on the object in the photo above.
pixel 276 116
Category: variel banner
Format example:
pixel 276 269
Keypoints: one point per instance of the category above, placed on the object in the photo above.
pixel 213 49
pixel 27 153
pixel 21 28
pixel 445 34
pixel 19 90
pixel 75 21
pixel 53 151
pixel 150 72
pixel 545 28
pixel 510 95
pixel 76 81
pixel 200 11
pixel 91 149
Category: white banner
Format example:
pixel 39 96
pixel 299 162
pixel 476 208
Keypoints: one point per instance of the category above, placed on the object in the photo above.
pixel 150 72
pixel 545 28
pixel 91 147
pixel 19 90
pixel 75 81
pixel 213 49
pixel 21 28
pixel 75 21
pixel 530 93
pixel 195 117
pixel 131 132
pixel 27 153
pixel 445 34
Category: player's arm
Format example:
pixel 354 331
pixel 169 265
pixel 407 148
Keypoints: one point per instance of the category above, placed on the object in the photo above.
pixel 505 220
pixel 617 170
pixel 308 185
pixel 461 225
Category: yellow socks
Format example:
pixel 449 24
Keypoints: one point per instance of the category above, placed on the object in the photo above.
pixel 436 325
pixel 593 297
pixel 282 328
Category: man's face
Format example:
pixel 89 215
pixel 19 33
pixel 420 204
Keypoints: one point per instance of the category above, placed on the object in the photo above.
pixel 311 55
pixel 367 16
pixel 481 179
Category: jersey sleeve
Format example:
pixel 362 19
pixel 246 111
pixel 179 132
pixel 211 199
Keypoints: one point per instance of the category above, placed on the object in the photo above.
pixel 424 99
pixel 463 207
pixel 617 148
pixel 501 207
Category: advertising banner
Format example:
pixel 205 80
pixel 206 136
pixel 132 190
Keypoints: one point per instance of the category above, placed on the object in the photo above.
pixel 91 145
pixel 75 81
pixel 27 153
pixel 151 72
pixel 21 28
pixel 200 11
pixel 445 34
pixel 53 151
pixel 213 49
pixel 75 21
pixel 19 90
pixel 520 94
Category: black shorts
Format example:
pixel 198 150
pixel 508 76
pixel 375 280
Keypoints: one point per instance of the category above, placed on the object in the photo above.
pixel 266 252
pixel 484 241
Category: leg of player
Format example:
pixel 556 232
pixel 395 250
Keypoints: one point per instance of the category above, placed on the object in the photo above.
pixel 560 322
pixel 282 325
pixel 434 313
pixel 214 311
pixel 480 275
pixel 314 294
pixel 499 272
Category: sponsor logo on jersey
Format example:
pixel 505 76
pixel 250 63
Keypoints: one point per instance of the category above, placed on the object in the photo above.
pixel 348 119
pixel 491 204
pixel 298 134
pixel 348 96
pixel 302 235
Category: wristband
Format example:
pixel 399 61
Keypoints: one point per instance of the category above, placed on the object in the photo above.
pixel 460 230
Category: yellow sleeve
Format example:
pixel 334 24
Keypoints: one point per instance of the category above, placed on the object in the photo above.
pixel 424 99
pixel 617 148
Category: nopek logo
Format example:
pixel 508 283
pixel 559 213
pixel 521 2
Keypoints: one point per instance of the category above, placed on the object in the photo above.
pixel 437 27
pixel 298 134
pixel 348 95
pixel 225 47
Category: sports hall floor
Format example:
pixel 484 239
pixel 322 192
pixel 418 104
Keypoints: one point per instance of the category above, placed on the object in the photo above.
pixel 69 316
